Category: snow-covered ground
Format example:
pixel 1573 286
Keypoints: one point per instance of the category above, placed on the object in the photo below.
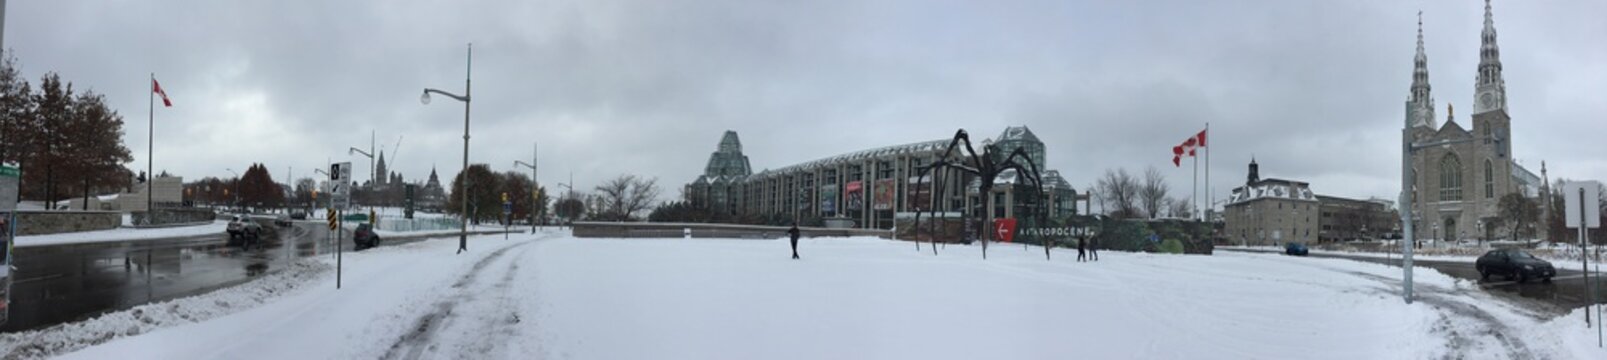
pixel 122 234
pixel 553 296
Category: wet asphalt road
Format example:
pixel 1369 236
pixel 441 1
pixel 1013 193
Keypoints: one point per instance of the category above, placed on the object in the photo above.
pixel 1564 292
pixel 56 284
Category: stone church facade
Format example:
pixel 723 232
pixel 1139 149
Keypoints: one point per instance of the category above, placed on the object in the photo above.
pixel 1457 186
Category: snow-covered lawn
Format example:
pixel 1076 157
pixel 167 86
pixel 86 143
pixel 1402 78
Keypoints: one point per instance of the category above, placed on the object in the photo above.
pixel 553 296
pixel 122 234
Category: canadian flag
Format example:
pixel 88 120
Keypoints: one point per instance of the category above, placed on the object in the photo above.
pixel 157 88
pixel 1188 148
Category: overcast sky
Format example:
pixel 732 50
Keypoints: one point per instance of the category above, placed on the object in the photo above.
pixel 1313 90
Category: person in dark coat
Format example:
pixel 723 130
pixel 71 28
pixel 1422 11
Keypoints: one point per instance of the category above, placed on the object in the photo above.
pixel 1082 254
pixel 1093 249
pixel 793 233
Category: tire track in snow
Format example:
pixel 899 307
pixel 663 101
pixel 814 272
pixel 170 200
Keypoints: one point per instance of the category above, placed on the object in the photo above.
pixel 423 338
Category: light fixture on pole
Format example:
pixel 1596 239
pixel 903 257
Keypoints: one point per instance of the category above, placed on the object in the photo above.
pixel 463 233
pixel 534 187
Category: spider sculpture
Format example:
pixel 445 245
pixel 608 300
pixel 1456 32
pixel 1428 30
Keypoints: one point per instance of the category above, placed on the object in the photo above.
pixel 987 167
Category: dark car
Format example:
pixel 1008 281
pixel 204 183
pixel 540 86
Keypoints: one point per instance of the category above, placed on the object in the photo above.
pixel 365 237
pixel 1514 263
pixel 282 221
pixel 298 216
pixel 1295 249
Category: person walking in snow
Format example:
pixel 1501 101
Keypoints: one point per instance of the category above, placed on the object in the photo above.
pixel 1082 254
pixel 793 233
pixel 1093 249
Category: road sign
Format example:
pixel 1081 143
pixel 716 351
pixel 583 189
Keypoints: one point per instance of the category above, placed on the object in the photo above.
pixel 1004 229
pixel 1590 203
pixel 9 177
pixel 373 218
pixel 340 180
pixel 333 216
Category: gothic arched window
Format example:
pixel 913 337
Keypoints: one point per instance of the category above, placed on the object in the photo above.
pixel 1489 179
pixel 1450 178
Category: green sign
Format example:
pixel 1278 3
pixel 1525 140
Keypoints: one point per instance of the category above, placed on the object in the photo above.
pixel 9 177
pixel 355 217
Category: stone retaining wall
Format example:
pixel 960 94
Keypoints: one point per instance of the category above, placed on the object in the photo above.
pixel 56 222
pixel 172 216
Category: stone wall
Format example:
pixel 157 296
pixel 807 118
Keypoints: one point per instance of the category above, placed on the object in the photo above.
pixel 172 217
pixel 55 222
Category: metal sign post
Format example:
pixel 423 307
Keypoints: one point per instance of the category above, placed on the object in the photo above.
pixel 507 215
pixel 1584 198
pixel 9 177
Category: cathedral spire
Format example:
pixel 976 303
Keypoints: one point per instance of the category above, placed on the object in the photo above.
pixel 1489 52
pixel 1420 104
pixel 1490 89
pixel 1420 86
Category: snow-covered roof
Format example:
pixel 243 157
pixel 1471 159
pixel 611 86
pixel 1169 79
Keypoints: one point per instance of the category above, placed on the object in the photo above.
pixel 924 146
pixel 1272 189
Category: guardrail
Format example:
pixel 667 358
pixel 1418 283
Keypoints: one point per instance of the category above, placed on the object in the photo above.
pixel 586 229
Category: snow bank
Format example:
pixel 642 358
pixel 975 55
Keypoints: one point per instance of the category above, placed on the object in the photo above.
pixel 122 234
pixel 147 318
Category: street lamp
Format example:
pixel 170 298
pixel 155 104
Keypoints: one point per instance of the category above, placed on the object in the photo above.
pixel 236 189
pixel 463 233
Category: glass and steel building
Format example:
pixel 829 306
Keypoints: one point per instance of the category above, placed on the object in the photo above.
pixel 869 187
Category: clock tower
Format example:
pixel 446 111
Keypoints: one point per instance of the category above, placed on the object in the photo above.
pixel 1490 116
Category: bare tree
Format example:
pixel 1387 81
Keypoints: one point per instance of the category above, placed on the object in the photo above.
pixel 1152 194
pixel 1180 208
pixel 1118 191
pixel 626 195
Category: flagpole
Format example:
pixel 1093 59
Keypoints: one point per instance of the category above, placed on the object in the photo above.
pixel 1196 188
pixel 1208 192
pixel 150 150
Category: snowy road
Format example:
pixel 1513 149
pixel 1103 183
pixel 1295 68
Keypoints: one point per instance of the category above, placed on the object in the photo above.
pixel 552 296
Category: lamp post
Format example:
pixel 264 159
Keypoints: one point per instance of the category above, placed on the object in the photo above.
pixel 373 177
pixel 236 199
pixel 569 193
pixel 463 233
pixel 533 184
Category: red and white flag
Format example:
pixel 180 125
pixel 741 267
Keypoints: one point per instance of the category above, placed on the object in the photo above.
pixel 157 87
pixel 1188 148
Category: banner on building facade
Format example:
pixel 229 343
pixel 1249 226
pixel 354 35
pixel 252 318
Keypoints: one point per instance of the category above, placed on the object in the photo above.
pixel 856 195
pixel 885 191
pixel 828 198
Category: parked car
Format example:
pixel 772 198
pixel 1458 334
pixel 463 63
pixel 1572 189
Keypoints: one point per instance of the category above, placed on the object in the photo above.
pixel 1514 263
pixel 282 221
pixel 241 227
pixel 1294 248
pixel 365 237
pixel 298 216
